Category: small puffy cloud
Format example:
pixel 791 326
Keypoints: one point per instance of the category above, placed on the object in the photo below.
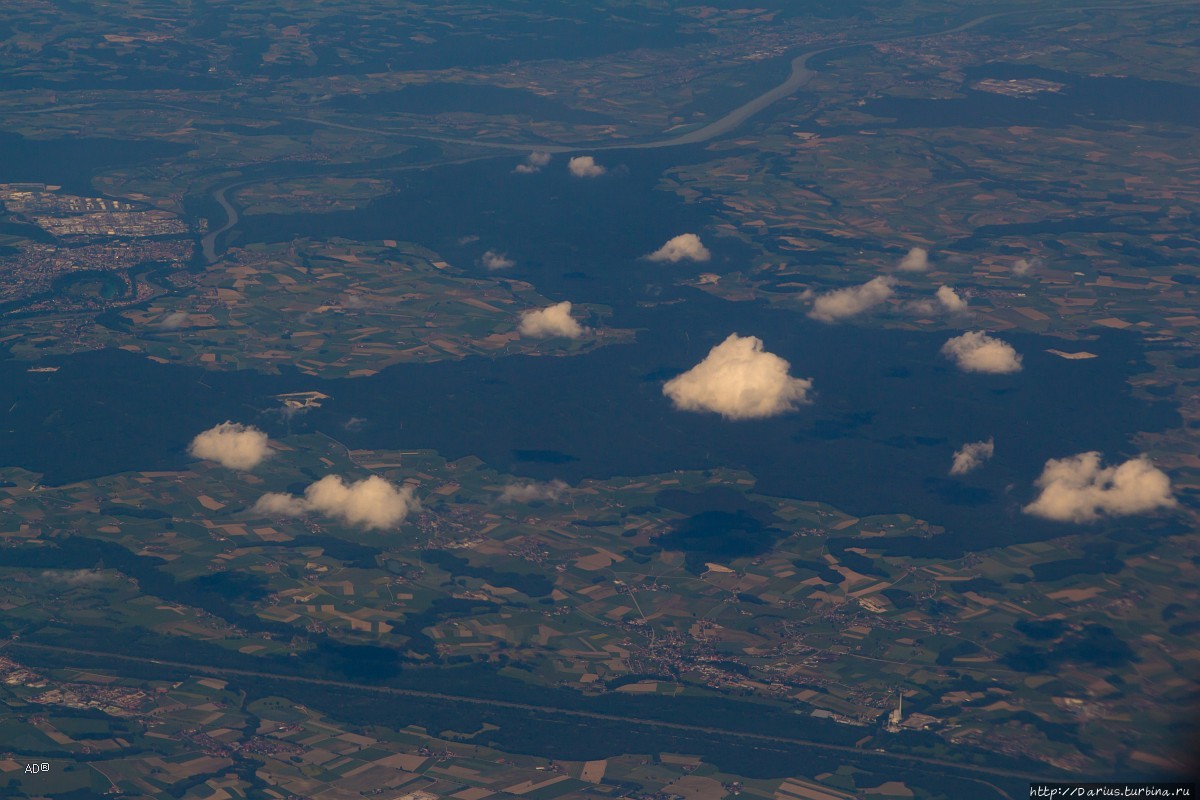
pixel 493 260
pixel 369 503
pixel 844 303
pixel 975 351
pixel 971 456
pixel 950 300
pixel 684 247
pixel 533 163
pixel 1024 266
pixel 526 492
pixel 232 445
pixel 739 380
pixel 174 321
pixel 1079 489
pixel 915 260
pixel 585 167
pixel 555 320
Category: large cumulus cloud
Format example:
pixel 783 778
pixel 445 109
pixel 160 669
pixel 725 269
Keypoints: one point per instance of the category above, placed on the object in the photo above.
pixel 853 300
pixel 555 320
pixel 1079 489
pixel 585 167
pixel 232 445
pixel 739 380
pixel 684 247
pixel 369 503
pixel 975 351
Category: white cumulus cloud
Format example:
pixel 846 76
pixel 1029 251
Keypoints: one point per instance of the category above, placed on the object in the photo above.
pixel 739 380
pixel 685 246
pixel 232 445
pixel 975 351
pixel 370 503
pixel 971 456
pixel 1079 489
pixel 844 303
pixel 533 163
pixel 950 300
pixel 555 320
pixel 493 260
pixel 915 260
pixel 528 491
pixel 585 167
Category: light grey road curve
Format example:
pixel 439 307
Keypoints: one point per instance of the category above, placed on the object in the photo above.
pixel 797 78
